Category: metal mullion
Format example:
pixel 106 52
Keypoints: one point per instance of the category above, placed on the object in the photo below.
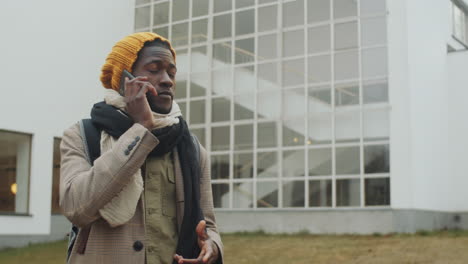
pixel 346 81
pixel 332 80
pixel 222 40
pixel 220 124
pixel 142 29
pixel 178 22
pixel 222 12
pixel 348 176
pixel 292 87
pixel 319 146
pixel 151 17
pixel 242 65
pixel 220 152
pixel 347 19
pixel 169 24
pixel 143 5
pixel 377 143
pixel 243 8
pixel 209 50
pixel 289 58
pixel 243 122
pixel 266 4
pixel 320 177
pixel 264 150
pixel 210 95
pixel 202 17
pixel 255 110
pixel 160 25
pixel 292 148
pixel 279 51
pixel 198 126
pixel 243 151
pixel 294 28
pixel 198 45
pixel 265 61
pixel 377 176
pixel 361 138
pixel 189 66
pixel 350 144
pixel 231 125
pixel 306 114
pixel 318 24
pixel 266 179
pixel 220 181
pixel 266 32
pixel 316 54
pixel 242 180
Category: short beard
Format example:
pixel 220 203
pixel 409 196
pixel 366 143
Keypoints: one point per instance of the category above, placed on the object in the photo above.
pixel 158 109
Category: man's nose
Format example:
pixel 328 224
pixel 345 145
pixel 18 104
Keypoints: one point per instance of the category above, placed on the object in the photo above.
pixel 166 81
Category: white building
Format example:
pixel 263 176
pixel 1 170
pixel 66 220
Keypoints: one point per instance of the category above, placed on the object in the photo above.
pixel 332 116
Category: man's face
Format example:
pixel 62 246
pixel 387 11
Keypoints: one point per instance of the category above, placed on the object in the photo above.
pixel 157 63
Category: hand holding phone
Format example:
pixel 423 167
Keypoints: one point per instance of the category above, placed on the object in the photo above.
pixel 134 90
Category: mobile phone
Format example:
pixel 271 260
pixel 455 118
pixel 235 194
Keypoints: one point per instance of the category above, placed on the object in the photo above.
pixel 127 74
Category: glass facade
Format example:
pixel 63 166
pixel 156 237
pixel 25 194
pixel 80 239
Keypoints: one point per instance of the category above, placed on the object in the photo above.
pixel 289 97
pixel 460 22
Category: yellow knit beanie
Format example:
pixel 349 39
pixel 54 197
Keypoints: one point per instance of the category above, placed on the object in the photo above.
pixel 124 54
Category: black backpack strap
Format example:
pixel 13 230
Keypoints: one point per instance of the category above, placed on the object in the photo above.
pixel 71 241
pixel 91 136
pixel 91 139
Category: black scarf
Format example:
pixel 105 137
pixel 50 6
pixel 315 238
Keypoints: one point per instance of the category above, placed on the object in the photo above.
pixel 115 123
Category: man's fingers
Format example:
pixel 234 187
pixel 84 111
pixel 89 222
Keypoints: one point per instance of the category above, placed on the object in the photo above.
pixel 195 261
pixel 134 84
pixel 146 87
pixel 139 78
pixel 201 230
pixel 152 90
pixel 209 253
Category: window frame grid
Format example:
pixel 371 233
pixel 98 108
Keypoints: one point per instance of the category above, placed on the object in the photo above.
pixel 279 31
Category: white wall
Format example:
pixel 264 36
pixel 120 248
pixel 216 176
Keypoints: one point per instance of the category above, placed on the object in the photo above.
pixel 429 149
pixel 458 130
pixel 428 27
pixel 399 97
pixel 51 52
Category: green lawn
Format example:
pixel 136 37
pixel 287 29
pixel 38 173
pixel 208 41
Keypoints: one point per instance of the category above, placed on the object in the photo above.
pixel 440 247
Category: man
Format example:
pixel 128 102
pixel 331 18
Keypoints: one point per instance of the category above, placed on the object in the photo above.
pixel 147 198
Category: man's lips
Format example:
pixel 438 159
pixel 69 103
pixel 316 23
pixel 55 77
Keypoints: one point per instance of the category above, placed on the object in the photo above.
pixel 165 94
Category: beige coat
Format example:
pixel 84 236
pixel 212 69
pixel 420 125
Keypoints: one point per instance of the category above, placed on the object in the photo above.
pixel 84 189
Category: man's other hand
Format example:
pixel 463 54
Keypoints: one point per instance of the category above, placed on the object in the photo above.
pixel 209 251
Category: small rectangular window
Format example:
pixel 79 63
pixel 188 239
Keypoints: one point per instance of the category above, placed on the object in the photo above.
pixel 15 159
pixel 56 177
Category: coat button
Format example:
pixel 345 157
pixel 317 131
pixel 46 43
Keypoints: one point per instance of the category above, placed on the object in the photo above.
pixel 137 246
pixel 127 152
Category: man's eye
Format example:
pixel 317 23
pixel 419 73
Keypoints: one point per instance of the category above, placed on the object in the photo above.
pixel 171 74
